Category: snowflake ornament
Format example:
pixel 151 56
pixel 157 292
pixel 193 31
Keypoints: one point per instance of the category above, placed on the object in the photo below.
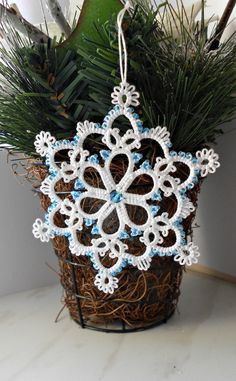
pixel 108 205
pixel 91 207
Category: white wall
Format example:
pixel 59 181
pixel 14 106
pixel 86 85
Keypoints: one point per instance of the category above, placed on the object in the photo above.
pixel 22 258
pixel 216 214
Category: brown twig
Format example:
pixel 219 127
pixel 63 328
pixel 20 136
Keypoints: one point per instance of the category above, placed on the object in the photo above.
pixel 215 40
pixel 58 16
pixel 22 25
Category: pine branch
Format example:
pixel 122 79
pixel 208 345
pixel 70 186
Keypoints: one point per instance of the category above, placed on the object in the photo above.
pixel 18 22
pixel 57 14
pixel 181 85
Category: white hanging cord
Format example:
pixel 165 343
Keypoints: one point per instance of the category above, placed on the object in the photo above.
pixel 124 95
pixel 123 56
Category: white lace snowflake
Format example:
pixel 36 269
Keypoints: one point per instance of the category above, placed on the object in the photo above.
pixel 188 255
pixel 113 212
pixel 208 161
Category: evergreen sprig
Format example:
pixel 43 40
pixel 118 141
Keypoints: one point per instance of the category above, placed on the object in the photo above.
pixel 182 84
pixel 40 89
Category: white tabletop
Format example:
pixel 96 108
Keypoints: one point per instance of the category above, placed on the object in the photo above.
pixel 198 343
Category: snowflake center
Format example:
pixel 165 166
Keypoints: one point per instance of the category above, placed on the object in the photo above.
pixel 116 197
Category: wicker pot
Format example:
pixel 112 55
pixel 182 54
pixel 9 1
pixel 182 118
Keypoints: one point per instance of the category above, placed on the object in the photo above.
pixel 144 298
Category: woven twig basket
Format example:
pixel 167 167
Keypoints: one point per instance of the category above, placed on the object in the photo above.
pixel 144 298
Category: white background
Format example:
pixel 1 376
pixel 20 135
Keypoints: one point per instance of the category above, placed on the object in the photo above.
pixel 22 258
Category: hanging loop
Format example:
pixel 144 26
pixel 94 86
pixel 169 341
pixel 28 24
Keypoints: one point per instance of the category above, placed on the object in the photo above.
pixel 124 95
pixel 123 55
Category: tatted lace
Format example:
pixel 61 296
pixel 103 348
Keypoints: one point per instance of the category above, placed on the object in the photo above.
pixel 112 198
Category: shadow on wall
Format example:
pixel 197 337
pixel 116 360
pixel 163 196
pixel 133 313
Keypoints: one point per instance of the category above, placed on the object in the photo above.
pixel 216 214
pixel 22 257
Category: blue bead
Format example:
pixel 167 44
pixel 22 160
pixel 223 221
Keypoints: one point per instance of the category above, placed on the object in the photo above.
pixel 105 154
pixel 140 128
pixel 155 209
pixel 189 156
pixel 89 253
pixel 136 157
pixel 104 125
pixel 76 195
pixel 190 186
pixel 116 197
pixel 95 230
pixel 93 159
pixel 146 165
pixel 52 206
pixel 79 185
pixel 153 252
pixel 123 235
pixel 156 196
pixel 135 232
pixel 89 222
